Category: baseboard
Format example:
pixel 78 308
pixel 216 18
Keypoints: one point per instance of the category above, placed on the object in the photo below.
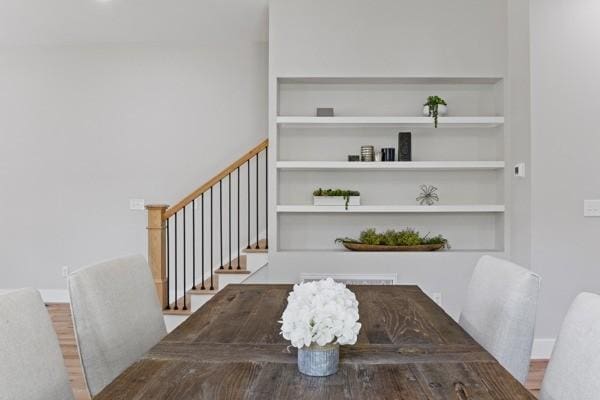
pixel 542 349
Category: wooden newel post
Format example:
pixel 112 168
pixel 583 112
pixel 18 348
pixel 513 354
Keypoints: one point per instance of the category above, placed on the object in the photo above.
pixel 157 250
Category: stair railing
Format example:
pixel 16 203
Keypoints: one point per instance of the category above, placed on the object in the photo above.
pixel 172 241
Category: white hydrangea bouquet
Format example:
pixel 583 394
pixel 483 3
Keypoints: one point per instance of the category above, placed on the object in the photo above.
pixel 319 317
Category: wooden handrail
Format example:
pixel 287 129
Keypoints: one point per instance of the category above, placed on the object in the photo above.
pixel 198 192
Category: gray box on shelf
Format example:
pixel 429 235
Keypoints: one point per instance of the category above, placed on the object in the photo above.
pixel 324 112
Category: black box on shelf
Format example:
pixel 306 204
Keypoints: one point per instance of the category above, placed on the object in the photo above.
pixel 404 146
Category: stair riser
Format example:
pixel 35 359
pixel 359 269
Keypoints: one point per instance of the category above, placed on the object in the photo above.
pixel 199 300
pixel 226 279
pixel 256 260
pixel 173 321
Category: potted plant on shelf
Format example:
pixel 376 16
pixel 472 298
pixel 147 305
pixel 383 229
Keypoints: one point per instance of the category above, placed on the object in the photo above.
pixel 435 106
pixel 336 197
pixel 320 316
pixel 391 240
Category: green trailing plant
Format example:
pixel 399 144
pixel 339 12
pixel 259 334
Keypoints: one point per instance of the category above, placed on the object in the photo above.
pixel 346 194
pixel 433 102
pixel 406 237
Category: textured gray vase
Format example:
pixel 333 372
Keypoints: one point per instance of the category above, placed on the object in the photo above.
pixel 319 360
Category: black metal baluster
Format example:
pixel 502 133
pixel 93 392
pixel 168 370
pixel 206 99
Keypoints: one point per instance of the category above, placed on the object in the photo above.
pixel 229 209
pixel 168 267
pixel 212 287
pixel 184 261
pixel 221 222
pixel 248 169
pixel 238 217
pixel 202 225
pixel 194 244
pixel 257 241
pixel 175 267
pixel 267 197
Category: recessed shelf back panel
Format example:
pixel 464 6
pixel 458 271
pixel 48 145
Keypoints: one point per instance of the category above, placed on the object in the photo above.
pixel 299 232
pixel 376 98
pixel 427 144
pixel 394 187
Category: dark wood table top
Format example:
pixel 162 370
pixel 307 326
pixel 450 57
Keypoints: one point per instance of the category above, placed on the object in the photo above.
pixel 408 348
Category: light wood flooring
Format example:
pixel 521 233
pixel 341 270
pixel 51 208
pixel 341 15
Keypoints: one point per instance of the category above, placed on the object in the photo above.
pixel 61 318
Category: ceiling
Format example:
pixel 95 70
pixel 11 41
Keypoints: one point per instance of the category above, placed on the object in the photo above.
pixel 72 22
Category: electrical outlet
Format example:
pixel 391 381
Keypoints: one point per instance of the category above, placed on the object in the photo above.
pixel 65 271
pixel 136 204
pixel 591 208
pixel 437 298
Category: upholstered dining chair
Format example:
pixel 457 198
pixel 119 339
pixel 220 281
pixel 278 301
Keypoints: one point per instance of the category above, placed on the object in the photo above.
pixel 573 372
pixel 32 365
pixel 500 312
pixel 117 317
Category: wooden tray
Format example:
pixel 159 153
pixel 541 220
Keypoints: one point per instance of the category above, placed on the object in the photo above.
pixel 378 247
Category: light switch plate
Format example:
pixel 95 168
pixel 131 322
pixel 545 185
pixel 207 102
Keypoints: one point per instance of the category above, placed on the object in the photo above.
pixel 591 208
pixel 520 170
pixel 136 204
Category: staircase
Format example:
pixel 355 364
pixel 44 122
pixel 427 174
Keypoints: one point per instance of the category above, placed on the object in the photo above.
pixel 215 236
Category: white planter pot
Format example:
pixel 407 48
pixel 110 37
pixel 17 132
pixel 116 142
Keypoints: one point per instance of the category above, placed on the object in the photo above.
pixel 442 110
pixel 335 201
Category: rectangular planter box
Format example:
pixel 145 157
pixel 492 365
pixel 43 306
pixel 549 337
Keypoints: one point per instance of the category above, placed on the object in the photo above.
pixel 335 201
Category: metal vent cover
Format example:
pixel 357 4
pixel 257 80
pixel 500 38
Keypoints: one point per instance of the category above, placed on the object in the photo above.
pixel 353 279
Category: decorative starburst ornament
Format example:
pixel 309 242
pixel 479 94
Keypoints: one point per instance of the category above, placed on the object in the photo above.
pixel 428 195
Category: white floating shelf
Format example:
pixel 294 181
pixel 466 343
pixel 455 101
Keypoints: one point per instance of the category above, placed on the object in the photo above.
pixel 488 208
pixel 394 166
pixel 398 122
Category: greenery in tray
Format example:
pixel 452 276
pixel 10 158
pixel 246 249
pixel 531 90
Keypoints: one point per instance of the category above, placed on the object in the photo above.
pixel 406 237
pixel 335 192
pixel 346 194
pixel 433 102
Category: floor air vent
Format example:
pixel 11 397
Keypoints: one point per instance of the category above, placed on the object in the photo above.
pixel 351 279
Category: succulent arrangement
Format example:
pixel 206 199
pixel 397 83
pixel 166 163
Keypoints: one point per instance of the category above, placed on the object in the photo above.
pixel 406 237
pixel 346 194
pixel 433 102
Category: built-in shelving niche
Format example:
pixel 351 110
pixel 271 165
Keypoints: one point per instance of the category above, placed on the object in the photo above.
pixel 464 158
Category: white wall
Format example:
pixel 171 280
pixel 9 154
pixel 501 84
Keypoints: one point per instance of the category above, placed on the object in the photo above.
pixel 387 37
pixel 85 127
pixel 565 38
pixel 390 38
pixel 519 125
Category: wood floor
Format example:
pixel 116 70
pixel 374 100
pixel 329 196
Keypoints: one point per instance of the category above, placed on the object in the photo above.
pixel 63 325
pixel 61 318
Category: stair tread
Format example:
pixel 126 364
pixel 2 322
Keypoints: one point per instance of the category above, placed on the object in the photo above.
pixel 232 271
pixel 260 247
pixel 200 292
pixel 206 286
pixel 243 262
pixel 180 311
pixel 206 290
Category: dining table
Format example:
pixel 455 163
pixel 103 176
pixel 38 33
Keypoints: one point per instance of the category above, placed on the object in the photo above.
pixel 232 348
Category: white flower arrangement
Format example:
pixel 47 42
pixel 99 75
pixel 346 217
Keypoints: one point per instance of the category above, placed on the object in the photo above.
pixel 321 312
